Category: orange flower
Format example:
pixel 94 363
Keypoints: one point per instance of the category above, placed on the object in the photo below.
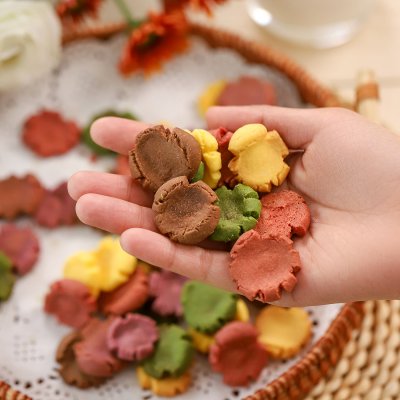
pixel 204 5
pixel 76 10
pixel 153 42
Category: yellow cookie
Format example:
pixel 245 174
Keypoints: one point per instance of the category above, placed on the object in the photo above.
pixel 84 267
pixel 242 311
pixel 210 96
pixel 201 341
pixel 283 331
pixel 210 156
pixel 116 265
pixel 259 155
pixel 103 269
pixel 167 387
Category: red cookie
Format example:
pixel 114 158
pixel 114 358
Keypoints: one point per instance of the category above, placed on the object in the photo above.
pixel 223 137
pixel 48 134
pixel 71 302
pixel 21 246
pixel 19 196
pixel 122 165
pixel 57 208
pixel 69 370
pixel 128 297
pixel 283 214
pixel 237 354
pixel 92 354
pixel 263 265
pixel 246 91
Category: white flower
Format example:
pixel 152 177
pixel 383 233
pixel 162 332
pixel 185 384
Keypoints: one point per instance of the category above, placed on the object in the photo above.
pixel 30 41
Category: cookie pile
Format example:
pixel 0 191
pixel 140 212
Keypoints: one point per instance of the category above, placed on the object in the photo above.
pixel 207 185
pixel 127 313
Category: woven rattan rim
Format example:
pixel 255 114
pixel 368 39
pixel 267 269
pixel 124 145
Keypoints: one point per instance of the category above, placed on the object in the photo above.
pixel 299 380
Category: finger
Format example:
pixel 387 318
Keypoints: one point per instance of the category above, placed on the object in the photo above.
pixel 116 134
pixel 113 215
pixel 296 126
pixel 208 266
pixel 112 185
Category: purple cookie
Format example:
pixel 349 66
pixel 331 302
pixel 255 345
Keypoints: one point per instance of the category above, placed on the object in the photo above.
pixel 166 287
pixel 132 338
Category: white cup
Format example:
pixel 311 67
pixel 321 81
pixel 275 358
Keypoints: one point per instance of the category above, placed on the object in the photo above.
pixel 315 23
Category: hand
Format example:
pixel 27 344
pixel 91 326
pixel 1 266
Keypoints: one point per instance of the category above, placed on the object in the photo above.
pixel 349 174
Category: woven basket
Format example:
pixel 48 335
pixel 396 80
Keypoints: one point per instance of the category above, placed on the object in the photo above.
pixel 306 376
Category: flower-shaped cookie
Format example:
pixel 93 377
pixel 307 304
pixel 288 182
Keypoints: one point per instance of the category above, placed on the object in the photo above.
pixel 7 278
pixel 56 208
pixel 210 156
pixel 173 353
pixel 161 154
pixel 69 369
pixel 240 209
pixel 48 134
pixel 209 96
pixel 283 331
pixel 132 338
pixel 104 269
pixel 207 308
pixel 19 196
pixel 184 211
pixel 93 356
pixel 166 387
pixel 237 354
pixel 21 246
pixel 263 265
pixel 223 137
pixel 166 287
pixel 71 302
pixel 130 296
pixel 87 139
pixel 259 156
pixel 283 213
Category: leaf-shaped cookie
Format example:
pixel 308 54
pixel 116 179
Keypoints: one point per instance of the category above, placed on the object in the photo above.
pixel 207 308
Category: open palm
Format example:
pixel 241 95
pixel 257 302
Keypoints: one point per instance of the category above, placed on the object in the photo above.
pixel 349 174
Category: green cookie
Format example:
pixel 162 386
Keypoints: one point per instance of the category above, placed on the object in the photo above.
pixel 87 139
pixel 172 355
pixel 199 174
pixel 7 278
pixel 240 210
pixel 207 308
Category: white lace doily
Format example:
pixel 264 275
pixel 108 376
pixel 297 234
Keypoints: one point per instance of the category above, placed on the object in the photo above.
pixel 87 82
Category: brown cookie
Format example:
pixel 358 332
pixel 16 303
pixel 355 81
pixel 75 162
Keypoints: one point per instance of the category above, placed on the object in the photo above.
pixel 185 212
pixel 19 196
pixel 48 134
pixel 69 370
pixel 161 154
